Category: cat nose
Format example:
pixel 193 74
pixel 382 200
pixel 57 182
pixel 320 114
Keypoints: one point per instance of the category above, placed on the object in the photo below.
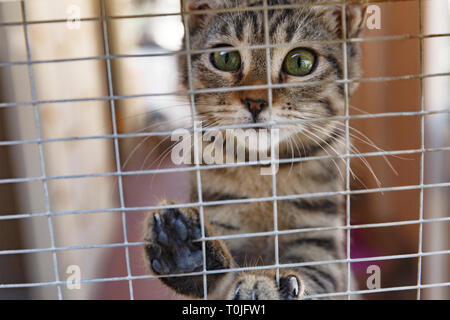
pixel 255 106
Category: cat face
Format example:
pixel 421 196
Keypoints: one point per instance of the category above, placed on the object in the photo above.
pixel 309 70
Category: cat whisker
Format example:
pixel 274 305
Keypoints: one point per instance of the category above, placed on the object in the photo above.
pixel 377 148
pixel 148 112
pixel 166 152
pixel 366 140
pixel 292 154
pixel 354 150
pixel 351 171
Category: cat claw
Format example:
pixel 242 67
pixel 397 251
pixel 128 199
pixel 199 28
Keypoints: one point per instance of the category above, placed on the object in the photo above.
pixel 261 287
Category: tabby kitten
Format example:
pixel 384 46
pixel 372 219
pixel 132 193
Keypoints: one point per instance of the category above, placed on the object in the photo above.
pixel 170 233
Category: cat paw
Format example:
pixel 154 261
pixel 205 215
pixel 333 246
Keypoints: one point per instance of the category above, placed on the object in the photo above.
pixel 262 287
pixel 170 247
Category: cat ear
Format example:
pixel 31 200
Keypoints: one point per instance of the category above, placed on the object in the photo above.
pixel 355 19
pixel 195 20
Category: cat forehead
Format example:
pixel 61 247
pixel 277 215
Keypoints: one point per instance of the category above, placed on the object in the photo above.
pixel 284 26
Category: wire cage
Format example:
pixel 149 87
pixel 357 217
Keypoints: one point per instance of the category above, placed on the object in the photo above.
pixel 89 100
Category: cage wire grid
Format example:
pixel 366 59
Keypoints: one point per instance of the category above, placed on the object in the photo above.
pixel 191 92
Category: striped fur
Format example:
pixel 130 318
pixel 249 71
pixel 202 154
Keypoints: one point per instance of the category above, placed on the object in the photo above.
pixel 309 101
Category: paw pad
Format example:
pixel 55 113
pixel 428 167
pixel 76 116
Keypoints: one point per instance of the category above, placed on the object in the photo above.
pixel 261 287
pixel 290 287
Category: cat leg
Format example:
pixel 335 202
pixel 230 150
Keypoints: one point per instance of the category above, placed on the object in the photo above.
pixel 318 278
pixel 295 284
pixel 170 249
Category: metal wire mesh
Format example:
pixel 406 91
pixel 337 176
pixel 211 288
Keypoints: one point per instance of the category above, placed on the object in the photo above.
pixel 191 91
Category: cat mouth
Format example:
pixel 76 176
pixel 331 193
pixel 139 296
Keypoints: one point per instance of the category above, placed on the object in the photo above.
pixel 260 128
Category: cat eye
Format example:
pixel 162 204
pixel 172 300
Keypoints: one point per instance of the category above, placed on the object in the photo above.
pixel 299 62
pixel 228 61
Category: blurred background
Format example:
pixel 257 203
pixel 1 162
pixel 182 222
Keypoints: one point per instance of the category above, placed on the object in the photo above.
pixel 70 82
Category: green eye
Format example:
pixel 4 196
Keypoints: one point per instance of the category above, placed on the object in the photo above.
pixel 226 60
pixel 299 62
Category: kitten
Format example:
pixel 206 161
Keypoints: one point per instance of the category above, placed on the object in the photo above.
pixel 170 233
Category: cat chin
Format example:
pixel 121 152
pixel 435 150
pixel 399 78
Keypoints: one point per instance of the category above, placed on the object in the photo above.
pixel 260 139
